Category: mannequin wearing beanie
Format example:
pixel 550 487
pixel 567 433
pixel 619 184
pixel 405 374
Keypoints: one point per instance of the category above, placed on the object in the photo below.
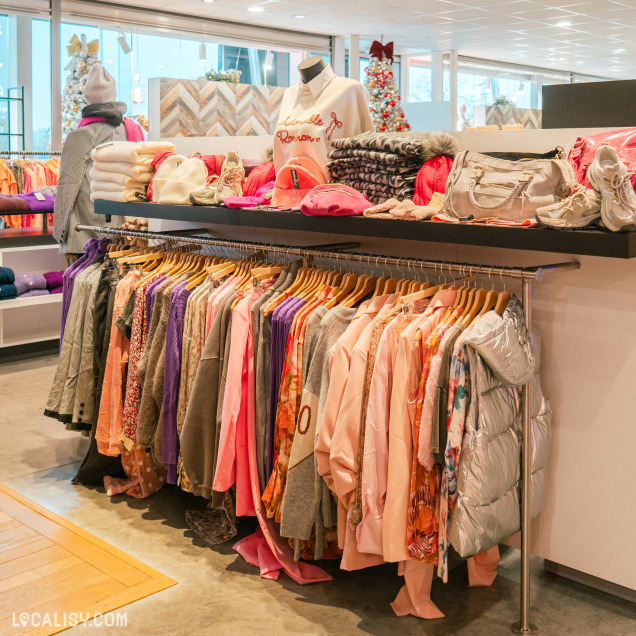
pixel 102 120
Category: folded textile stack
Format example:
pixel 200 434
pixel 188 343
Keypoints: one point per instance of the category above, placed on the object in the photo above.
pixel 7 288
pixel 8 291
pixel 30 284
pixel 54 281
pixel 38 201
pixel 384 166
pixel 122 170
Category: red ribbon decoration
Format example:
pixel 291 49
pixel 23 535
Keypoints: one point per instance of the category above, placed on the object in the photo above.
pixel 378 49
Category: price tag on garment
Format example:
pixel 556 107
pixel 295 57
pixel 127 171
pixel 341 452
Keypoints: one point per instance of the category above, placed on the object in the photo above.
pixel 437 200
pixel 39 196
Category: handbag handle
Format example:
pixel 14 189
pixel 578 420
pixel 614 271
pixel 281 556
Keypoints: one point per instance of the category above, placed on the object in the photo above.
pixel 524 179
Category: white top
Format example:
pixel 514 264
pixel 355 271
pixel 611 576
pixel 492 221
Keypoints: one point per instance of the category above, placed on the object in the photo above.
pixel 314 114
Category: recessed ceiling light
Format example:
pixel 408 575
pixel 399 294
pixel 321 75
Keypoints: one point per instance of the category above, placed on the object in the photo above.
pixel 620 50
pixel 564 24
pixel 580 61
pixel 256 9
pixel 209 0
pixel 300 17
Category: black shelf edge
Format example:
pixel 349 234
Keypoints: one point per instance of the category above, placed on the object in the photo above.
pixel 26 237
pixel 580 242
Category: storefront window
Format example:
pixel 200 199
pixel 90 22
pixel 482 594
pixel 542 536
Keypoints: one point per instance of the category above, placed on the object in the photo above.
pixel 41 83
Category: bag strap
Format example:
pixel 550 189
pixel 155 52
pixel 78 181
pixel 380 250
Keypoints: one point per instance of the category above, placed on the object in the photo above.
pixel 478 173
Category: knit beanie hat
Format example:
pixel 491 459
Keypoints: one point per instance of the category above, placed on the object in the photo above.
pixel 190 175
pixel 432 178
pixel 100 86
pixel 258 177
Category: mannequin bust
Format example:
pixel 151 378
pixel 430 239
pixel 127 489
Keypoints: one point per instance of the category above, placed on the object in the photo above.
pixel 311 67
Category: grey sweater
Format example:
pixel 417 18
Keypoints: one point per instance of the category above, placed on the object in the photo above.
pixel 303 503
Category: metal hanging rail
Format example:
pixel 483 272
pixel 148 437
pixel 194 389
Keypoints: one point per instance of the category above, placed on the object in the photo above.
pixel 525 274
pixel 32 153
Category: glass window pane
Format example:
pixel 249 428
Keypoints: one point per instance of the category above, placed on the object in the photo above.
pixel 41 83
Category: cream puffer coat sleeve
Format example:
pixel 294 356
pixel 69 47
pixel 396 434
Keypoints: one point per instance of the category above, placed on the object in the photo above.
pixel 502 358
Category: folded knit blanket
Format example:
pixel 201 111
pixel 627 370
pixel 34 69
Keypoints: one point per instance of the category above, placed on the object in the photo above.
pixel 99 172
pixel 378 192
pixel 7 276
pixel 8 291
pixel 364 165
pixel 34 292
pixel 109 186
pixel 39 201
pixel 53 279
pixel 375 156
pixel 123 196
pixel 56 290
pixel 375 177
pixel 27 282
pixel 13 203
pixel 396 144
pixel 129 151
pixel 424 146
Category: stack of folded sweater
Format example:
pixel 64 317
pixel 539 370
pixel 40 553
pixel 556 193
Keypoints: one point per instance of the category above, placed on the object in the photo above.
pixel 30 284
pixel 122 170
pixel 7 288
pixel 42 200
pixel 54 281
pixel 384 166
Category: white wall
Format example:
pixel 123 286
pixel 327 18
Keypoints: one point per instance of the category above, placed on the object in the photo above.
pixel 587 319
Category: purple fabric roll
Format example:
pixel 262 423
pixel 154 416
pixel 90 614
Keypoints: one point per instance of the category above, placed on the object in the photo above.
pixel 35 205
pixel 34 292
pixel 54 279
pixel 56 290
pixel 28 282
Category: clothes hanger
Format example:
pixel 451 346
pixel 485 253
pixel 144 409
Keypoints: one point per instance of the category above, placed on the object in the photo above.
pixel 503 299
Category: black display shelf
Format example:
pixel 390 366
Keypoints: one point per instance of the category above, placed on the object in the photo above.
pixel 25 237
pixel 580 242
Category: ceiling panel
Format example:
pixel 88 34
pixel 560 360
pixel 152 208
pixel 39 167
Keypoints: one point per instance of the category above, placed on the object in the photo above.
pixel 580 35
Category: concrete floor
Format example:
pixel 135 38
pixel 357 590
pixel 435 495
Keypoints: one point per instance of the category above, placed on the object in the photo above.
pixel 218 593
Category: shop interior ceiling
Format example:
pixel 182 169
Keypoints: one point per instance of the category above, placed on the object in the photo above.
pixel 590 37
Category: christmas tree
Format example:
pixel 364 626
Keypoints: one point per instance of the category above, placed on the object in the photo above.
pixel 385 108
pixel 83 56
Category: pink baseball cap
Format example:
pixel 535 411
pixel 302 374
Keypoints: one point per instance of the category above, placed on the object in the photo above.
pixel 294 180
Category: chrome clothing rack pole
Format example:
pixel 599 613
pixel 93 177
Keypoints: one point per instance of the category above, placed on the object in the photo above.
pixel 524 626
pixel 465 269
pixel 525 274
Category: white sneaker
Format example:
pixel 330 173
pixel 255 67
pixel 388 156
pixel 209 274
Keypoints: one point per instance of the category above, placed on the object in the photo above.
pixel 609 176
pixel 580 209
pixel 232 179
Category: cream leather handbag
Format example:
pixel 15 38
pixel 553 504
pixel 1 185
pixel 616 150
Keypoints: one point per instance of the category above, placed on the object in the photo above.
pixel 481 187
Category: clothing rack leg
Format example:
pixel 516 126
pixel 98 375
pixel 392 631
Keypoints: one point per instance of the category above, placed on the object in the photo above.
pixel 524 626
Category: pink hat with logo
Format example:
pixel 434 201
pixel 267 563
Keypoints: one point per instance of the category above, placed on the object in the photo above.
pixel 294 180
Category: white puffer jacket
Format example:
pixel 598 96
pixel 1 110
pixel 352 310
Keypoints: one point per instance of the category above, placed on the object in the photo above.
pixel 502 359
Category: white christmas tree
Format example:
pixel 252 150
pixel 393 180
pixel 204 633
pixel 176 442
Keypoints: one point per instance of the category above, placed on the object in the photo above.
pixel 83 56
pixel 386 110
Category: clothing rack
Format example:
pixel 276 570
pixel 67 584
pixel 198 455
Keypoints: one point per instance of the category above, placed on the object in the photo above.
pixel 525 274
pixel 31 153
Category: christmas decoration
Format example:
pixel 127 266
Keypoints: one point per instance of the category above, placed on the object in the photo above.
pixel 386 110
pixel 83 56
pixel 233 75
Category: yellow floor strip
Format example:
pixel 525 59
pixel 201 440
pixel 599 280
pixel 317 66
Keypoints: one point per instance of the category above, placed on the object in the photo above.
pixel 53 573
